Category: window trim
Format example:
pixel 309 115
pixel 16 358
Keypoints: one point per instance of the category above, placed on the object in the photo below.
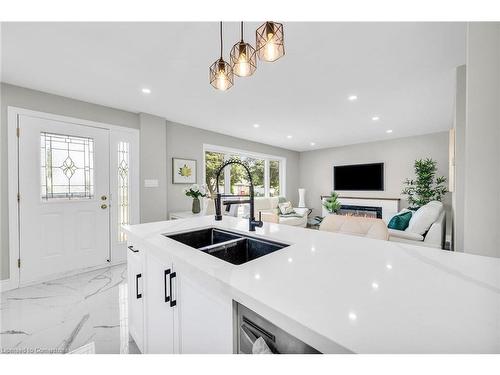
pixel 256 155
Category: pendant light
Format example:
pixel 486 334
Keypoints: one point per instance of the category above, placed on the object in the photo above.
pixel 220 73
pixel 270 41
pixel 242 57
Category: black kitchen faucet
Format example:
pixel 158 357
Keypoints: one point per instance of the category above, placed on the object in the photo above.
pixel 252 223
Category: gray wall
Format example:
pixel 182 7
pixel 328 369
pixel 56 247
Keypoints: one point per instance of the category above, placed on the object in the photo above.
pixel 36 100
pixel 187 142
pixel 153 166
pixel 398 155
pixel 482 138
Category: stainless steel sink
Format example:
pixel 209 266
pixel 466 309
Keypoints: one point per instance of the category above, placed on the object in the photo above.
pixel 229 246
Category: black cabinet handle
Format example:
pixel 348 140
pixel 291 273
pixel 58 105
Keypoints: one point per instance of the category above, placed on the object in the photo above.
pixel 172 301
pixel 131 248
pixel 137 294
pixel 167 272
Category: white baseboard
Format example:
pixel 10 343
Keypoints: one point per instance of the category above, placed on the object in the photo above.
pixel 6 285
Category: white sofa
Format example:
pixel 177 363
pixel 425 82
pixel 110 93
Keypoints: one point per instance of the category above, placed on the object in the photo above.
pixel 355 226
pixel 268 208
pixel 433 237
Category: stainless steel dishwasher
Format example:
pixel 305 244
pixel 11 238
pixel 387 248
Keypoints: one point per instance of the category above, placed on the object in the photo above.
pixel 250 326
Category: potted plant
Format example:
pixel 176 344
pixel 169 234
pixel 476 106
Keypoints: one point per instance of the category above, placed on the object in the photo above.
pixel 195 191
pixel 426 187
pixel 331 203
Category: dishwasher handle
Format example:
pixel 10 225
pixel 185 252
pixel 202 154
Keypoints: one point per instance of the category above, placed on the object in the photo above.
pixel 260 330
pixel 251 337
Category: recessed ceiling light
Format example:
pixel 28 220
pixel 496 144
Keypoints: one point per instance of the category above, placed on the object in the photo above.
pixel 145 90
pixel 312 144
pixel 256 126
pixel 389 131
pixel 352 316
pixel 289 136
pixel 352 98
pixel 375 118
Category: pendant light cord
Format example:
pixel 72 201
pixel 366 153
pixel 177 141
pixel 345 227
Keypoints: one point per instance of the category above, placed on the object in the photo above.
pixel 221 39
pixel 242 31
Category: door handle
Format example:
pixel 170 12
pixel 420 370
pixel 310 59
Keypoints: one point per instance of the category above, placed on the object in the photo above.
pixel 131 248
pixel 167 272
pixel 104 206
pixel 172 301
pixel 137 294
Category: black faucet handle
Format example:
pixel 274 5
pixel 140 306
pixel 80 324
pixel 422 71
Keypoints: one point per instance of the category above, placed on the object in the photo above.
pixel 217 203
pixel 260 223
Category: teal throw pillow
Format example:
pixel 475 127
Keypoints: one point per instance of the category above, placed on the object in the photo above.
pixel 400 221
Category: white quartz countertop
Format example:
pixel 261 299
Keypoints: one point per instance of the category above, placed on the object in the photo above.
pixel 346 293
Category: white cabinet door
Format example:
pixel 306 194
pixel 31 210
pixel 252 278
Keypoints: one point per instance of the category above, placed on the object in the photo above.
pixel 159 311
pixel 135 294
pixel 203 318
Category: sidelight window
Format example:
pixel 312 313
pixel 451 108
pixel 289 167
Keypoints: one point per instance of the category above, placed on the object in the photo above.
pixel 123 188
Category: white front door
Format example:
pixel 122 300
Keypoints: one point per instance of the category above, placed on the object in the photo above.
pixel 64 213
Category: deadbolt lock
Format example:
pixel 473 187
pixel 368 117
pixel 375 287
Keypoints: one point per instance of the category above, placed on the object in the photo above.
pixel 104 206
pixel 103 197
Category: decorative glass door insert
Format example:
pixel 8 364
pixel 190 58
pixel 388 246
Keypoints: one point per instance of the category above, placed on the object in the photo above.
pixel 123 188
pixel 67 167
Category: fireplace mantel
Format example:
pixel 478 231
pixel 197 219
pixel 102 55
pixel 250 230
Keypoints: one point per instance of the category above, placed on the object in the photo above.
pixel 376 198
pixel 389 206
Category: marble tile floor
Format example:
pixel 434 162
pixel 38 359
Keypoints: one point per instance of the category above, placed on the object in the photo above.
pixel 85 313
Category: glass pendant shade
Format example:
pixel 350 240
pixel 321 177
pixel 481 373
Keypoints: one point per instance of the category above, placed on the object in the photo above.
pixel 270 43
pixel 220 72
pixel 243 59
pixel 221 75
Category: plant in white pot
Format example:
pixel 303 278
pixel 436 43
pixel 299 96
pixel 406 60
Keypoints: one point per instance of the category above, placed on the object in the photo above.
pixel 195 191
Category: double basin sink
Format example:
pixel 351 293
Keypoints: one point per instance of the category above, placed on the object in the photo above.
pixel 232 247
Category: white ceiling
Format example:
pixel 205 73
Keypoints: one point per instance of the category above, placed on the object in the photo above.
pixel 402 72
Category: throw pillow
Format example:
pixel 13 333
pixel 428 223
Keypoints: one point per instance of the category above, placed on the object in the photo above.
pixel 424 217
pixel 286 208
pixel 281 200
pixel 400 221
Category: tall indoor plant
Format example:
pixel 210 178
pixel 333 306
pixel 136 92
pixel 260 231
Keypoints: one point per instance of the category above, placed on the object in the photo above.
pixel 426 186
pixel 195 191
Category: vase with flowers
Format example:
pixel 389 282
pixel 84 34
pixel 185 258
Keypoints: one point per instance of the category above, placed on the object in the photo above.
pixel 195 191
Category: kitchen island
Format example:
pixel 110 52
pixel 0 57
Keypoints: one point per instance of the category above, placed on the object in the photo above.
pixel 337 293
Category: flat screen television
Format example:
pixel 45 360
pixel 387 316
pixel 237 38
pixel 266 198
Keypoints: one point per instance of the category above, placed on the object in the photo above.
pixel 359 177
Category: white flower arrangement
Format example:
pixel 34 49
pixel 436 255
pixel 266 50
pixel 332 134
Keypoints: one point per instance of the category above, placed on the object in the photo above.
pixel 195 191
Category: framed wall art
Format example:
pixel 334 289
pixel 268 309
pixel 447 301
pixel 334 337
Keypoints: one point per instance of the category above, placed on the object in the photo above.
pixel 183 171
